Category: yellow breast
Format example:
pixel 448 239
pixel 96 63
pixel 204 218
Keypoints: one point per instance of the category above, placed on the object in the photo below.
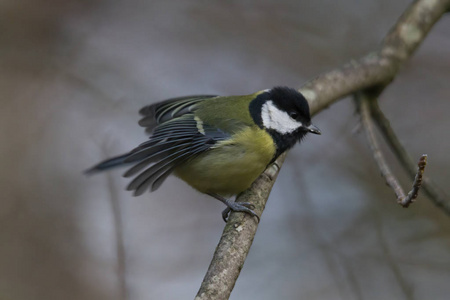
pixel 232 165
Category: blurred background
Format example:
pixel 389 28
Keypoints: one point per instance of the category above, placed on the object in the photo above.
pixel 73 75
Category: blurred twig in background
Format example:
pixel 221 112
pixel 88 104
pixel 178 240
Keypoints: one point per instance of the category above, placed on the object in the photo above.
pixel 119 235
pixel 375 70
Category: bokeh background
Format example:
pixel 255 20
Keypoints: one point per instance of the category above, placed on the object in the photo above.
pixel 73 75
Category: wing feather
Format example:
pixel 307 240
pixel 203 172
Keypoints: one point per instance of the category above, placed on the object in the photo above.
pixel 161 112
pixel 158 171
pixel 149 155
pixel 162 177
pixel 163 146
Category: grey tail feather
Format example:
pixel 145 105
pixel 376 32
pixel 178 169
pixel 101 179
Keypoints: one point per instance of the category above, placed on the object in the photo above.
pixel 109 163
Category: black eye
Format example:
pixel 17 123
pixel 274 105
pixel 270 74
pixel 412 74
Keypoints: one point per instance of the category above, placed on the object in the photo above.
pixel 293 115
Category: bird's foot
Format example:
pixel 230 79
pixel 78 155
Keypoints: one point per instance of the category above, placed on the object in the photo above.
pixel 245 207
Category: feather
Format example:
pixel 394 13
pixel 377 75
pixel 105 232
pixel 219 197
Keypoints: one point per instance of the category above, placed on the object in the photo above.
pixel 143 180
pixel 168 131
pixel 146 159
pixel 159 113
pixel 161 178
pixel 108 164
pixel 159 181
pixel 164 146
pixel 149 176
pixel 144 175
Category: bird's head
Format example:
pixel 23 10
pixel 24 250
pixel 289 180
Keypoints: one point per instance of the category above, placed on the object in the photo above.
pixel 284 113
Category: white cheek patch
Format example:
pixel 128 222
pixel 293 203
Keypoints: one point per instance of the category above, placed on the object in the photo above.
pixel 278 120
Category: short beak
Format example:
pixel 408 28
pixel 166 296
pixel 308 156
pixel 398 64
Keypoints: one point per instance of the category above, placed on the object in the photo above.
pixel 313 129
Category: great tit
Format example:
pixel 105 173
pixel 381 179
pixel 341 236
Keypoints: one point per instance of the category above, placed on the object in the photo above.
pixel 218 145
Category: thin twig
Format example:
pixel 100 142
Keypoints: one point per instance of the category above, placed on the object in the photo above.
pixel 363 100
pixel 377 154
pixel 429 187
pixel 412 195
pixel 120 243
pixel 119 235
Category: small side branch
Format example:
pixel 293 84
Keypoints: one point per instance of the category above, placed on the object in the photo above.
pixel 404 200
pixel 429 187
pixel 412 195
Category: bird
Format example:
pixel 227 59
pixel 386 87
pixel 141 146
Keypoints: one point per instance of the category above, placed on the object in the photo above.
pixel 218 145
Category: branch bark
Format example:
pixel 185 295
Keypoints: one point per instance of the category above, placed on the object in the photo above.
pixel 377 69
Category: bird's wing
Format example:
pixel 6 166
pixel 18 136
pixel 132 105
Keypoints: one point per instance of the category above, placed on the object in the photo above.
pixel 178 134
pixel 172 143
pixel 158 113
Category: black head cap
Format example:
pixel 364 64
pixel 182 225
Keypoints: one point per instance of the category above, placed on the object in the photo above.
pixel 292 102
pixel 284 113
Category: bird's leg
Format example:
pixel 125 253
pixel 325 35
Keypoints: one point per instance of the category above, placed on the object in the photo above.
pixel 246 207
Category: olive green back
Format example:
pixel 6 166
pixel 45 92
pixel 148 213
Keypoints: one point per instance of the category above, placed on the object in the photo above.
pixel 227 113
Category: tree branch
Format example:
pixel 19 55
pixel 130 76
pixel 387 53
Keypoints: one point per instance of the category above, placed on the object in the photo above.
pixel 380 67
pixel 364 100
pixel 237 238
pixel 371 71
